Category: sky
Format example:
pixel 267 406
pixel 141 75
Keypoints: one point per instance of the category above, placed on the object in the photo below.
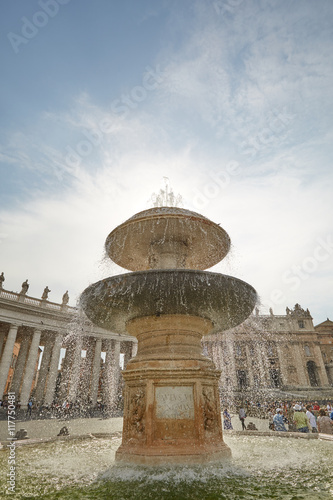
pixel 230 100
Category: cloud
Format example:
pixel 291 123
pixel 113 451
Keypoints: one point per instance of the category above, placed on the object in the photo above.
pixel 246 90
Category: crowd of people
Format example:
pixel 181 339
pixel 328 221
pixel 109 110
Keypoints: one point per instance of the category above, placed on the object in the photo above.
pixel 62 410
pixel 292 416
pixel 282 416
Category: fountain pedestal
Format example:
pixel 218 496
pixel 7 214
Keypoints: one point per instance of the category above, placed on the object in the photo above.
pixel 172 410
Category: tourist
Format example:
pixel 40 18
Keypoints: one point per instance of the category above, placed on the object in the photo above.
pixel 300 419
pixel 227 425
pixel 29 408
pixel 312 418
pixel 242 417
pixel 278 421
pixel 316 406
pixel 271 414
pixel 325 424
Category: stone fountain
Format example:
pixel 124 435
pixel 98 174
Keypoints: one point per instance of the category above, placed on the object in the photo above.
pixel 172 409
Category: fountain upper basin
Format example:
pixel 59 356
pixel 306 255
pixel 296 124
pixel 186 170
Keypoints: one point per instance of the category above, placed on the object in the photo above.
pixel 224 300
pixel 167 237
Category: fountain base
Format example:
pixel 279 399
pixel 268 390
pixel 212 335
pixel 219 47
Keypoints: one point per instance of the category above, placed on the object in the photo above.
pixel 172 409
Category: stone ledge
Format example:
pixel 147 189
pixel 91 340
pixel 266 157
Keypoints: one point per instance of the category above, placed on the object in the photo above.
pixel 80 437
pixel 287 434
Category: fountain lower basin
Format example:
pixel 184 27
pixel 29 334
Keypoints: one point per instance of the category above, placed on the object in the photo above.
pixel 224 300
pixel 261 467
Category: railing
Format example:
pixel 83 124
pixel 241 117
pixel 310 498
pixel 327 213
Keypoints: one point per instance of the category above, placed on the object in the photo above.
pixel 8 295
pixel 20 297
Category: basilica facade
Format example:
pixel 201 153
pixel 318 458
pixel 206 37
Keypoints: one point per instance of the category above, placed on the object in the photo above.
pixel 282 355
pixel 51 352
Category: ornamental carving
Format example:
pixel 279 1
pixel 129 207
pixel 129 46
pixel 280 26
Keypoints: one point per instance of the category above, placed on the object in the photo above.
pixel 209 409
pixel 137 411
pixel 298 312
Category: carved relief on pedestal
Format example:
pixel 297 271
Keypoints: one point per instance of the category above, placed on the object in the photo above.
pixel 137 408
pixel 209 409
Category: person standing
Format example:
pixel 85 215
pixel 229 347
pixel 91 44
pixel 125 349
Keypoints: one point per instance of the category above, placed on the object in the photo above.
pixel 271 414
pixel 316 406
pixel 301 420
pixel 278 421
pixel 312 418
pixel 29 408
pixel 242 417
pixel 325 424
pixel 227 425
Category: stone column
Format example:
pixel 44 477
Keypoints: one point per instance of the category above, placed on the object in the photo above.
pixel 249 365
pixel 321 365
pixel 96 372
pixel 299 365
pixel 107 374
pixel 329 370
pixel 111 373
pixel 126 348
pixel 223 366
pixel 115 370
pixel 43 371
pixel 86 372
pixel 2 341
pixel 261 365
pixel 20 364
pixel 283 364
pixel 66 371
pixel 7 357
pixel 75 372
pixel 231 370
pixel 53 371
pixel 30 368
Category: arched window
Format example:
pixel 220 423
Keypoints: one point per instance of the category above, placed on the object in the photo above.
pixel 313 374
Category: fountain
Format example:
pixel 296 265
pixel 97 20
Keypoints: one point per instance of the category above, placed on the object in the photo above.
pixel 172 409
pixel 169 302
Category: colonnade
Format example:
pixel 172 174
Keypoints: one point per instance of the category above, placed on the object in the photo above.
pixel 62 373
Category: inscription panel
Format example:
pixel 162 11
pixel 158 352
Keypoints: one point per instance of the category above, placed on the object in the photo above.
pixel 174 402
